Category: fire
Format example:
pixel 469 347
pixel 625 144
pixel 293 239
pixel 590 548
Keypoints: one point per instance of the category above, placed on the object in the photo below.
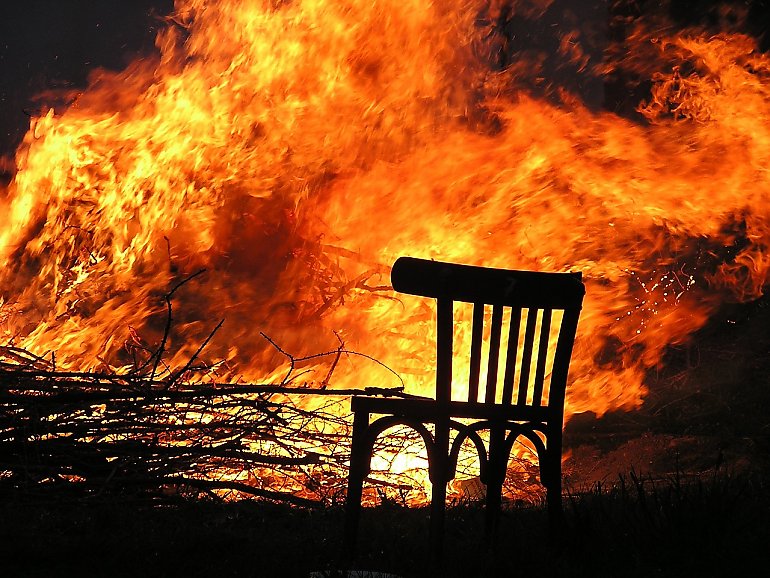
pixel 294 149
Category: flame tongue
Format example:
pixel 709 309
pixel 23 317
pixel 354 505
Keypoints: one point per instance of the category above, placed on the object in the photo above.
pixel 294 150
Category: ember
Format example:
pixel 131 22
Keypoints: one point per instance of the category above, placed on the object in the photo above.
pixel 293 150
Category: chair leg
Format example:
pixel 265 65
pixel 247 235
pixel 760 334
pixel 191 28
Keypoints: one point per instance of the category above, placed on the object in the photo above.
pixel 439 475
pixel 437 518
pixel 551 478
pixel 497 468
pixel 359 465
pixel 555 511
pixel 493 503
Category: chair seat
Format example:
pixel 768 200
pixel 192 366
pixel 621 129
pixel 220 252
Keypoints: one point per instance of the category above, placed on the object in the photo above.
pixel 428 410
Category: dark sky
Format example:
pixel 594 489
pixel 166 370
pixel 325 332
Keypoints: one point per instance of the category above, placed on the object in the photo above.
pixel 53 44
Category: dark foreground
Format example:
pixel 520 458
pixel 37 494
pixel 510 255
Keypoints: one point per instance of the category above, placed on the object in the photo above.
pixel 718 526
pixel 706 412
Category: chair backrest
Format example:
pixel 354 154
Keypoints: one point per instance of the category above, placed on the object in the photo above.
pixel 528 318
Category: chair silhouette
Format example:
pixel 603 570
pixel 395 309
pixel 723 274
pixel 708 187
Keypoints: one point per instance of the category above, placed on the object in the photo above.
pixel 531 311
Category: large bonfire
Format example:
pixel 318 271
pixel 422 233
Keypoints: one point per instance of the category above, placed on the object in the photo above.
pixel 294 149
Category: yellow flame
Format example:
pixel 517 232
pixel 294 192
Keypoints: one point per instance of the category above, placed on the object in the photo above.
pixel 295 149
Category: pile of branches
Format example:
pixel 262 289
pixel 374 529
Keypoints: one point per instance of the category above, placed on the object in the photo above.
pixel 90 434
pixel 164 434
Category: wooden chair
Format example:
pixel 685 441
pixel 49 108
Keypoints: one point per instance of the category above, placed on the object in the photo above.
pixel 537 310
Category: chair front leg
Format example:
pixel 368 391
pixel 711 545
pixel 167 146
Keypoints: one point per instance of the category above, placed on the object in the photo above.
pixel 359 467
pixel 440 475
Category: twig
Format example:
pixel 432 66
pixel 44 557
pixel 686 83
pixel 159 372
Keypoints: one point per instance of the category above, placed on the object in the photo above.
pixel 176 375
pixel 294 360
pixel 167 329
pixel 340 349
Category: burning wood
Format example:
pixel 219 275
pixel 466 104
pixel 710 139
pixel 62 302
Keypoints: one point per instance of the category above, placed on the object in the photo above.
pixel 91 434
pixel 297 148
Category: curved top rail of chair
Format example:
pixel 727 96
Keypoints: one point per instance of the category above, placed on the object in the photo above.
pixel 471 284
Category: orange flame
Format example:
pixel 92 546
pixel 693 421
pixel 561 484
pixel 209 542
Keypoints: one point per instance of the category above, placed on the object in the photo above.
pixel 295 149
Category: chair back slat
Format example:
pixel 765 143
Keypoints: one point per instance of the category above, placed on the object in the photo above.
pixel 444 343
pixel 475 360
pixel 526 357
pixel 494 353
pixel 562 356
pixel 510 355
pixel 542 357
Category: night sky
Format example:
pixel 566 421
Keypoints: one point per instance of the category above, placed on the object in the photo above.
pixel 50 45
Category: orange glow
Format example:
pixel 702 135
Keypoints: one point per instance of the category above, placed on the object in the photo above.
pixel 295 149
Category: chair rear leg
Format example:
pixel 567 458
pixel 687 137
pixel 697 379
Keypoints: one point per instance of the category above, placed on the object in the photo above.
pixel 497 468
pixel 551 478
pixel 493 503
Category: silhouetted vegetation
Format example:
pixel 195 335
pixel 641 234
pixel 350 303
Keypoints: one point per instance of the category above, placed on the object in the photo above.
pixel 714 526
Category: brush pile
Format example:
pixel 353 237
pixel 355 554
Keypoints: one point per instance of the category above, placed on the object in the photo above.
pixel 85 435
